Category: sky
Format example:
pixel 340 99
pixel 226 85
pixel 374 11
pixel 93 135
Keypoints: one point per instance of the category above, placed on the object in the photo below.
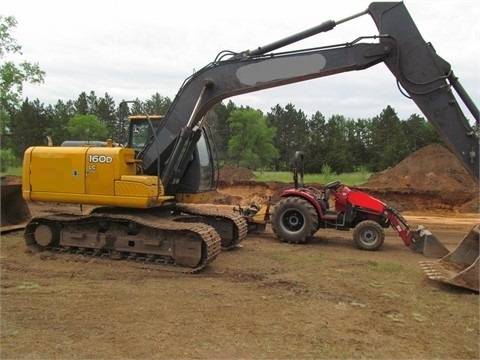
pixel 134 49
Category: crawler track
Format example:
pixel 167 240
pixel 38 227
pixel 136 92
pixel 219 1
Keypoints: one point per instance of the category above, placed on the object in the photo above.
pixel 138 236
pixel 232 227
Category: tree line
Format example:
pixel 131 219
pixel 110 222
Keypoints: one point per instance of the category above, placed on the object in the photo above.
pixel 243 136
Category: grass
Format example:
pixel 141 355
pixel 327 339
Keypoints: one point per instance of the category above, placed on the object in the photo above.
pixel 384 267
pixel 27 286
pixel 355 178
pixel 12 171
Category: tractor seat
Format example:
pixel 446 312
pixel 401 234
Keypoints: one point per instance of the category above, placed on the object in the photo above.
pixel 331 215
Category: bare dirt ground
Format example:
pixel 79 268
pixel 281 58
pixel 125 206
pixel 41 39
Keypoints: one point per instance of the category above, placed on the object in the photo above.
pixel 263 300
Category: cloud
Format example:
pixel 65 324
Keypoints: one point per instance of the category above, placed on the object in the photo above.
pixel 135 49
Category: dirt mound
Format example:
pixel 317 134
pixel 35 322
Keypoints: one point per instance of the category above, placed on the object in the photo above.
pixel 433 171
pixel 230 174
pixel 433 167
pixel 11 179
pixel 246 193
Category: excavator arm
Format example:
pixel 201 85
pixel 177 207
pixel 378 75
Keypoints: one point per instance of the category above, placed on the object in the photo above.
pixel 423 75
pixel 234 76
pixel 428 80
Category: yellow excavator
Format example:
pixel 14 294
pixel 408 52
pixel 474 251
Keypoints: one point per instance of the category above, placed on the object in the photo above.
pixel 144 194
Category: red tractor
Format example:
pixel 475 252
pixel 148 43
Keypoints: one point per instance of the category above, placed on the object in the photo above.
pixel 303 210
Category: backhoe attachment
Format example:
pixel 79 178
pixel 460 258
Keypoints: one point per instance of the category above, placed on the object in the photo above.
pixel 461 266
pixel 14 211
pixel 419 239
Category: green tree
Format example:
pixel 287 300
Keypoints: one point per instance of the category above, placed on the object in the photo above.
pixel 106 113
pixel 8 160
pixel 87 128
pixel 217 121
pixel 291 133
pixel 157 104
pixel 251 144
pixel 86 103
pixel 358 140
pixel 28 126
pixel 389 144
pixel 419 133
pixel 81 104
pixel 13 75
pixel 59 115
pixel 316 146
pixel 337 155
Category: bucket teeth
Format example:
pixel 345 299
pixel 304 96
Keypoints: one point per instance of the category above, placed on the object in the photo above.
pixel 435 272
pixel 439 271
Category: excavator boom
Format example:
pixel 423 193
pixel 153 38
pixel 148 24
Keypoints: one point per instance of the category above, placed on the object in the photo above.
pixel 428 80
pixel 425 77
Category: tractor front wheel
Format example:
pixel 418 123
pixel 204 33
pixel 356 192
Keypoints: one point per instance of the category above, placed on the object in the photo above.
pixel 295 220
pixel 369 235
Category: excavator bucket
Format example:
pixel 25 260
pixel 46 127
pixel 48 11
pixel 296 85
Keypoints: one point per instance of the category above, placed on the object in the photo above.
pixel 14 209
pixel 461 266
pixel 428 244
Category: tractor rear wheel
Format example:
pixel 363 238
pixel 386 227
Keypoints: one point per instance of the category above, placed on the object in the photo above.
pixel 295 220
pixel 369 235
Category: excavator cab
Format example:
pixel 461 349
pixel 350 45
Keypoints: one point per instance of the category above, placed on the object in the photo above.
pixel 140 129
pixel 201 172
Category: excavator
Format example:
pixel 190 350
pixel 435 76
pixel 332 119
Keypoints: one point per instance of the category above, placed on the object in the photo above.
pixel 145 197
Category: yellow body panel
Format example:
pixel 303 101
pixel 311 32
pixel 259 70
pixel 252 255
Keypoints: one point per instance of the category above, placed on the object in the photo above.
pixel 49 170
pixel 263 215
pixel 88 175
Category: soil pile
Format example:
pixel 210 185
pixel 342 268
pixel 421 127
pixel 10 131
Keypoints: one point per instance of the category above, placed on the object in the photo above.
pixel 229 174
pixel 433 171
pixel 11 179
pixel 433 167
